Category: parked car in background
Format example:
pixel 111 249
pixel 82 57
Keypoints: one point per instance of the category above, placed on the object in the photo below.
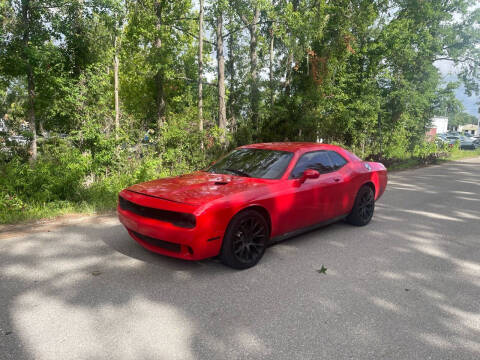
pixel 3 126
pixel 452 140
pixel 476 143
pixel 255 195
pixel 441 140
pixel 18 140
pixel 466 143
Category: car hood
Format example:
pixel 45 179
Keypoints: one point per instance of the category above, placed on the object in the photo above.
pixel 196 188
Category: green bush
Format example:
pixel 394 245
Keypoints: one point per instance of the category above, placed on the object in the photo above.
pixel 56 175
pixel 425 150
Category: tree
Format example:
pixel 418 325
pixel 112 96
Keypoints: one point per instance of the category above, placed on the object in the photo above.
pixel 249 13
pixel 200 67
pixel 461 118
pixel 157 40
pixel 160 76
pixel 24 46
pixel 118 33
pixel 233 67
pixel 222 113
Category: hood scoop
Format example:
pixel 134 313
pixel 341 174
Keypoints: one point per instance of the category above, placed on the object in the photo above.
pixel 221 182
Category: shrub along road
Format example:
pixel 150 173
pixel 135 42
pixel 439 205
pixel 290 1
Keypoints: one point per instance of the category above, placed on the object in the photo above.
pixel 405 287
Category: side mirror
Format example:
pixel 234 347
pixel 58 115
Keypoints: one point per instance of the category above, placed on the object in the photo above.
pixel 309 174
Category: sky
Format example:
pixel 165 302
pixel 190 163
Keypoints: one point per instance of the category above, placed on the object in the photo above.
pixel 448 71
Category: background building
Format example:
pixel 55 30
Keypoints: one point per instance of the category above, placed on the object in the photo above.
pixel 471 129
pixel 440 124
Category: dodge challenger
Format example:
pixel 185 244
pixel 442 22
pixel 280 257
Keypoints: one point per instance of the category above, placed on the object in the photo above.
pixel 255 195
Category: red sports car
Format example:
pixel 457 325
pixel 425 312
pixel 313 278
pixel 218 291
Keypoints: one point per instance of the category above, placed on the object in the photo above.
pixel 255 195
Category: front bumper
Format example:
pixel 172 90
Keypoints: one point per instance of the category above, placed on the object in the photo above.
pixel 164 238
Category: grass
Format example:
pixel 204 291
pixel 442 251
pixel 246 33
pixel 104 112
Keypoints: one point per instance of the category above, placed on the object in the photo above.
pixel 462 154
pixel 51 210
pixel 412 163
pixel 102 204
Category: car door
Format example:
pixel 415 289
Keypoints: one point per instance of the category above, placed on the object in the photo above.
pixel 311 198
pixel 340 199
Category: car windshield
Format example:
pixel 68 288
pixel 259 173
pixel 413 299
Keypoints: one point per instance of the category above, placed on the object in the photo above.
pixel 256 163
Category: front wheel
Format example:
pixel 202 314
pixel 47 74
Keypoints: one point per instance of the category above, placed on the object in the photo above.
pixel 245 240
pixel 363 207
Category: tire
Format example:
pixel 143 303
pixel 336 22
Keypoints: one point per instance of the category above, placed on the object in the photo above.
pixel 245 240
pixel 363 207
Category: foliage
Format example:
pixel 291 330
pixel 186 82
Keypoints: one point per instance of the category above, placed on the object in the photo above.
pixel 461 118
pixel 57 175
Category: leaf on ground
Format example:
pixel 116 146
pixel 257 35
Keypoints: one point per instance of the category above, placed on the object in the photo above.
pixel 96 273
pixel 322 270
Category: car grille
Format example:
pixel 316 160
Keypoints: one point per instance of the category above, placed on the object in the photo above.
pixel 176 218
pixel 158 243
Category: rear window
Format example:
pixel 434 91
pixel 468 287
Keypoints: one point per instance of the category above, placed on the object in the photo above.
pixel 337 160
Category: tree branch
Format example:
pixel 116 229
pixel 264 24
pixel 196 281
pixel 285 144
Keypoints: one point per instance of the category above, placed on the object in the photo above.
pixel 193 80
pixel 244 20
pixel 468 58
pixel 244 27
pixel 189 33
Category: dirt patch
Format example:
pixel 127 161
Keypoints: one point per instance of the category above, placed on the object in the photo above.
pixel 7 231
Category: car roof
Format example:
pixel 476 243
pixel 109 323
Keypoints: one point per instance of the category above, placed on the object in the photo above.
pixel 291 146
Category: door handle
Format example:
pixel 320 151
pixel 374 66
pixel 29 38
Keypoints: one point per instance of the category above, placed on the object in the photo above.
pixel 336 179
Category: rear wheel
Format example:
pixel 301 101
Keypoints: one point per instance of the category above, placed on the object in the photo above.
pixel 363 208
pixel 245 240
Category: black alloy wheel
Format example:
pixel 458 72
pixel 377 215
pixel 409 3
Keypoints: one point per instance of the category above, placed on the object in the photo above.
pixel 363 208
pixel 245 240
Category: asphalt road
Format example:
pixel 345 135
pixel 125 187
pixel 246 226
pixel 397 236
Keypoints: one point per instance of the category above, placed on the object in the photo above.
pixel 405 287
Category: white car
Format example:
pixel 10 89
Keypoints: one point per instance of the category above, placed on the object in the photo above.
pixel 18 139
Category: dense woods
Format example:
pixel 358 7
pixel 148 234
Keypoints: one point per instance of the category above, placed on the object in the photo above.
pixel 110 92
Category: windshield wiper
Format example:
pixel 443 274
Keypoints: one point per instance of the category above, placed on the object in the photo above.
pixel 238 172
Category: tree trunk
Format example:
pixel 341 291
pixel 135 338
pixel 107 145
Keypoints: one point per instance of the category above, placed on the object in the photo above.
pixel 31 112
pixel 200 68
pixel 231 73
pixel 30 79
pixel 116 87
pixel 41 129
pixel 288 71
pixel 254 95
pixel 272 88
pixel 222 112
pixel 159 78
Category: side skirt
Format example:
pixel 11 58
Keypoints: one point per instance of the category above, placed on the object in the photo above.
pixel 304 230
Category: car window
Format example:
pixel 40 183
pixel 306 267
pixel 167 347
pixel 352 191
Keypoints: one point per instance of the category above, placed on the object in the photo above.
pixel 337 160
pixel 316 160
